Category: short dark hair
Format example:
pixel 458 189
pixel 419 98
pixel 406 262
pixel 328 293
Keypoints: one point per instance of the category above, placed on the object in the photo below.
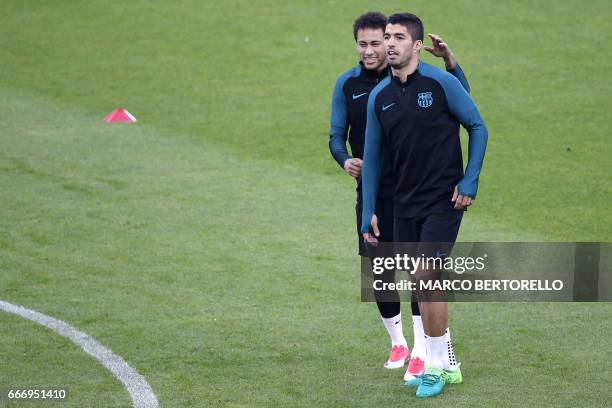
pixel 413 24
pixel 371 19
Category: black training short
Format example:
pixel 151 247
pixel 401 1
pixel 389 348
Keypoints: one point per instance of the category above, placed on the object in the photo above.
pixel 437 231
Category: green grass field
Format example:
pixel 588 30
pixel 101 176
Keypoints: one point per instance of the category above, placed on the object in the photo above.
pixel 212 244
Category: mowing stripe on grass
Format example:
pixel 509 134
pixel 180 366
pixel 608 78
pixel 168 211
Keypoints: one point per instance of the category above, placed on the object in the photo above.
pixel 140 391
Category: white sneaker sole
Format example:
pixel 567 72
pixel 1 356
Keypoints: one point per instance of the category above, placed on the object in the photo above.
pixel 397 364
pixel 409 376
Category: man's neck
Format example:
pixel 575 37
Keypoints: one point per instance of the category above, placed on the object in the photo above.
pixel 404 72
pixel 383 68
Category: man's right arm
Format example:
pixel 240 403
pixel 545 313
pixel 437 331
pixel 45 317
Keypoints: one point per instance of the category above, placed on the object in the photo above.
pixel 372 163
pixel 339 124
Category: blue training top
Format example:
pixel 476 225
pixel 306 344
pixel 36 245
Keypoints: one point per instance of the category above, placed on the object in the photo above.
pixel 348 117
pixel 418 121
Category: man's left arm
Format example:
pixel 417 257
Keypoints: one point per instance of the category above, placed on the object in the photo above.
pixel 458 73
pixel 462 106
pixel 439 48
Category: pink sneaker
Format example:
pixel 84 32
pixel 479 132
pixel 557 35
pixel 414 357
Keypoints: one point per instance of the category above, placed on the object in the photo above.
pixel 416 368
pixel 398 356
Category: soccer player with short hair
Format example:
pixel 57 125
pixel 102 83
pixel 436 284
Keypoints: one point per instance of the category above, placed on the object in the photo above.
pixel 348 120
pixel 416 112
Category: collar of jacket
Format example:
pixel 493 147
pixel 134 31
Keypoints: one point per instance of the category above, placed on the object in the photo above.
pixel 373 75
pixel 409 80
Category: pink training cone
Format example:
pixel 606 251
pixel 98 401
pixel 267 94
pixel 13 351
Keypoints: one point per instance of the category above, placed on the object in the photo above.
pixel 120 115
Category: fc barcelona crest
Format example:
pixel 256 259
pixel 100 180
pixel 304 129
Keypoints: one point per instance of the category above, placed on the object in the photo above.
pixel 425 99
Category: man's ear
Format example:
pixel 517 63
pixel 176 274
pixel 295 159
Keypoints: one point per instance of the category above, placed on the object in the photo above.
pixel 418 44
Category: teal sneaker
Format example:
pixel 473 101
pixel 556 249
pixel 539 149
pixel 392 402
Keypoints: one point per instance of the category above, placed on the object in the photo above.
pixel 453 377
pixel 413 382
pixel 432 383
pixel 450 377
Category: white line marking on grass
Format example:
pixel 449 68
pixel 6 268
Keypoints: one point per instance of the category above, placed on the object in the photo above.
pixel 140 391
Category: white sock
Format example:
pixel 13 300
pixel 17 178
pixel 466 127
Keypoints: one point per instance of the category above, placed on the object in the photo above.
pixel 451 360
pixel 436 352
pixel 418 349
pixel 395 330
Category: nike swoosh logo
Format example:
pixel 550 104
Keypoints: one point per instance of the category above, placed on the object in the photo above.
pixel 359 96
pixel 384 108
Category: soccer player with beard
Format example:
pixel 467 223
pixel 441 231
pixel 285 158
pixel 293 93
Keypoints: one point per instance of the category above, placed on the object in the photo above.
pixel 348 119
pixel 415 113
